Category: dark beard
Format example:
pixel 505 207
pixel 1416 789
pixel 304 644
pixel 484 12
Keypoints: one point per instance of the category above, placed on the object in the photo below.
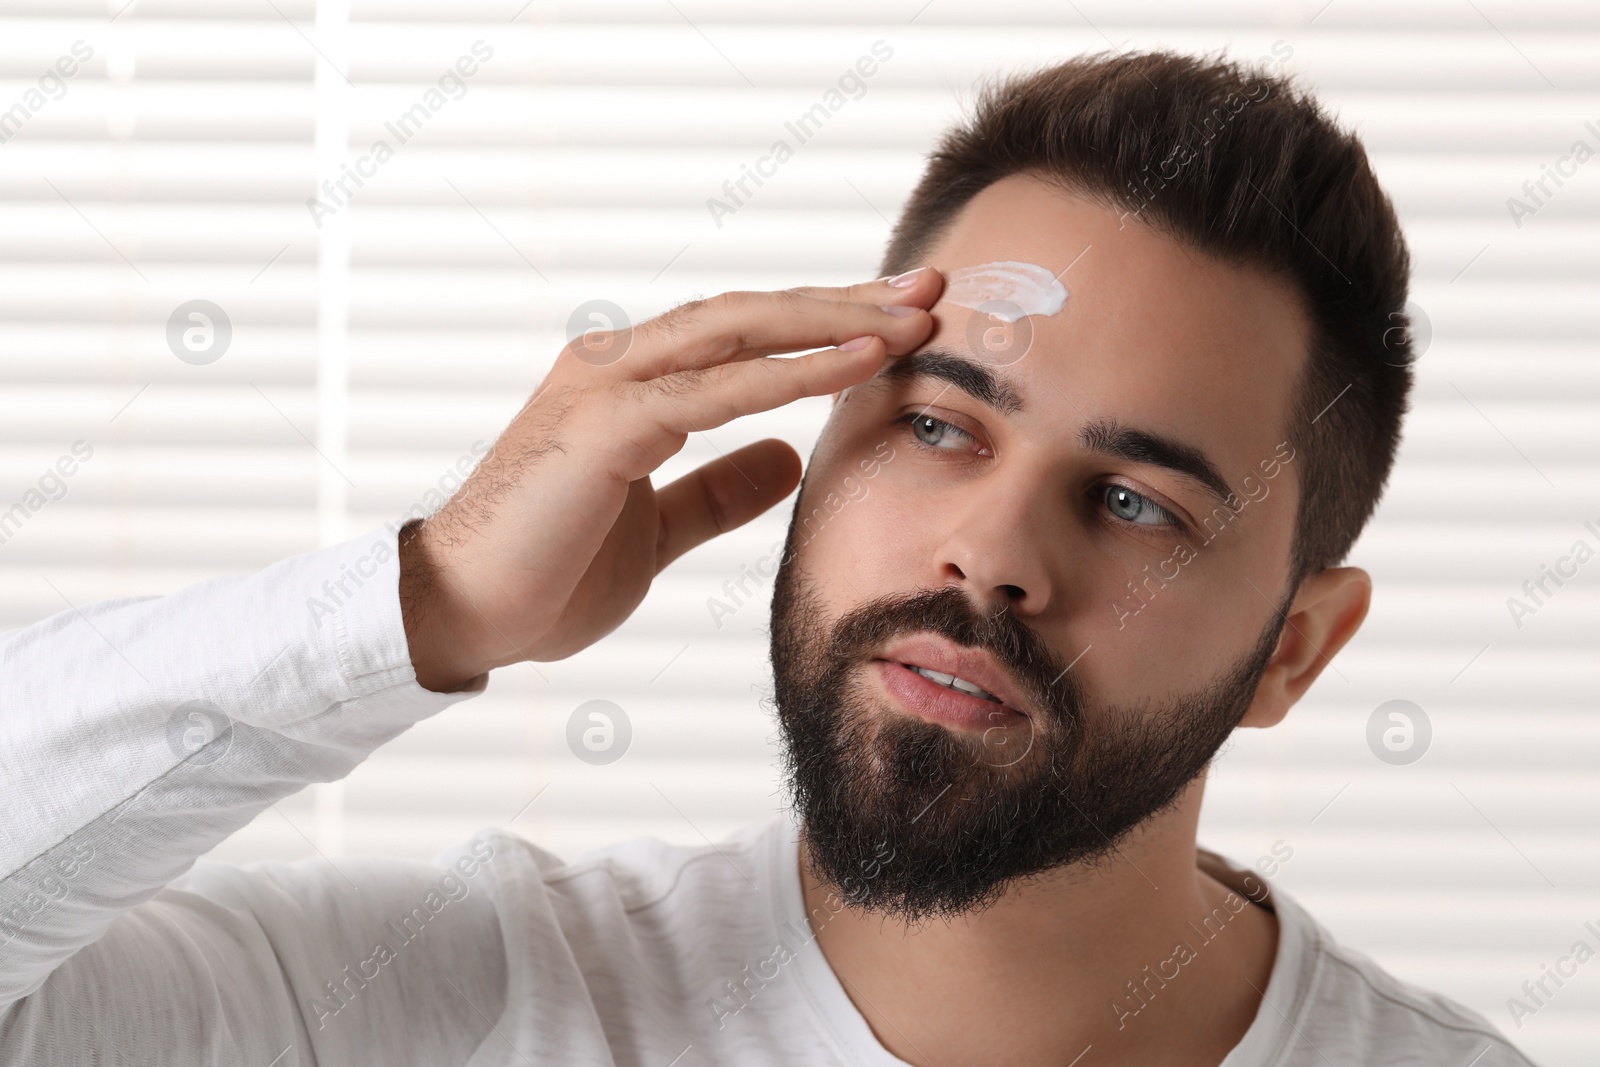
pixel 909 818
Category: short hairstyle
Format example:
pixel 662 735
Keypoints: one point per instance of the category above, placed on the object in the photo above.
pixel 1242 165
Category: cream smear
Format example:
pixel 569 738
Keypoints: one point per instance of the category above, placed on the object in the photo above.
pixel 1006 289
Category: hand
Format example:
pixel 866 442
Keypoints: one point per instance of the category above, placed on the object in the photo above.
pixel 555 537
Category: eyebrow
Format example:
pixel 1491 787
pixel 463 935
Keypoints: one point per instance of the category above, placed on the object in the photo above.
pixel 974 379
pixel 1104 436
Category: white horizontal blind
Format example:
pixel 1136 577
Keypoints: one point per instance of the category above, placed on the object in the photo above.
pixel 377 339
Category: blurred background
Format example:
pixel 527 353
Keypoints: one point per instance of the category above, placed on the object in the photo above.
pixel 253 331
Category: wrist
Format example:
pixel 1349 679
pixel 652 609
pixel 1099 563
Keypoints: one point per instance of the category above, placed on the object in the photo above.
pixel 438 634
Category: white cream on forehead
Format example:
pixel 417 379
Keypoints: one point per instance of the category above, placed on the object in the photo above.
pixel 1007 289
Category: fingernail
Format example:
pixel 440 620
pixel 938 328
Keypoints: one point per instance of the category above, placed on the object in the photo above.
pixel 856 345
pixel 901 281
pixel 897 310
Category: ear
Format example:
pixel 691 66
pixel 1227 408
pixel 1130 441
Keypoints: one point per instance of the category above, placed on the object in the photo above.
pixel 1326 612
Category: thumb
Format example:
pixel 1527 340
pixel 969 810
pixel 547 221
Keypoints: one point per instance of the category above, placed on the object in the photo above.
pixel 723 494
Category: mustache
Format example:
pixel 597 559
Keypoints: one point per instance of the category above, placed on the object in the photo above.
pixel 1042 675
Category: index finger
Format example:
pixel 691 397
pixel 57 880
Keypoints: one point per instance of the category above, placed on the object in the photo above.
pixel 917 287
pixel 736 326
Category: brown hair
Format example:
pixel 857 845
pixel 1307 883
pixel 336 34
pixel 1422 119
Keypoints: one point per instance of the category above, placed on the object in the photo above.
pixel 1242 165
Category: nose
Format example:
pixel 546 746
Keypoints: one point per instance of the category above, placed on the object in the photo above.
pixel 992 544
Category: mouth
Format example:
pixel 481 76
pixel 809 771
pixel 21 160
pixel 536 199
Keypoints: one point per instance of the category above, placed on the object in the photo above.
pixel 946 698
pixel 950 681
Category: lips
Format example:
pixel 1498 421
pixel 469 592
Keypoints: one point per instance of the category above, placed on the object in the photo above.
pixel 971 671
pixel 950 681
pixel 925 698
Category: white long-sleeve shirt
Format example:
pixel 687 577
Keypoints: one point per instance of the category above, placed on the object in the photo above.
pixel 136 734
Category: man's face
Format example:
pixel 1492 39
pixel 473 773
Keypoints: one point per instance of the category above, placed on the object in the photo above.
pixel 1064 552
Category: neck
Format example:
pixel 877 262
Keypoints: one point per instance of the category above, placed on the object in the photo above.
pixel 1117 955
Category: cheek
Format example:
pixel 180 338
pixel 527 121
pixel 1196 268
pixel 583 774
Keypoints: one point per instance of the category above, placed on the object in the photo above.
pixel 858 547
pixel 1183 622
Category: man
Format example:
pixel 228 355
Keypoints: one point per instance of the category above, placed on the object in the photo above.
pixel 1129 398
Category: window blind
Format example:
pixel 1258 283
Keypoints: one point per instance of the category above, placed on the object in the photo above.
pixel 370 317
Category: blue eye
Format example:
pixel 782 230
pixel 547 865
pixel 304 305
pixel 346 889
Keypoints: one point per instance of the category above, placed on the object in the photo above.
pixel 1129 506
pixel 931 431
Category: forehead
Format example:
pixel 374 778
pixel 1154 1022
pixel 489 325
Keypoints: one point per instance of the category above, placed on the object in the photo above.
pixel 1152 331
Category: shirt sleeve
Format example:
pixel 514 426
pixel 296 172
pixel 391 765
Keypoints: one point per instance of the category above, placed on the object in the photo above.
pixel 138 733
